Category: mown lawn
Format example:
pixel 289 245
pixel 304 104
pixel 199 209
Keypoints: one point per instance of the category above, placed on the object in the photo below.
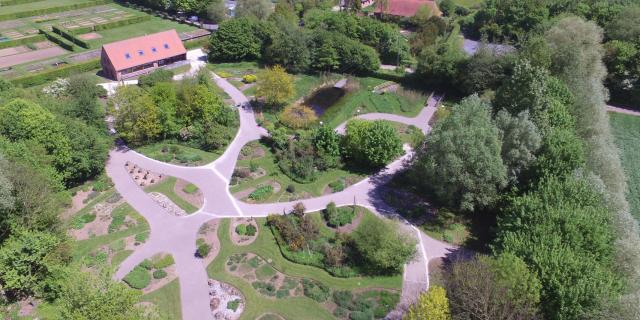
pixel 45 4
pixel 155 24
pixel 166 187
pixel 293 307
pixel 269 164
pixel 178 154
pixel 366 101
pixel 166 300
pixel 626 130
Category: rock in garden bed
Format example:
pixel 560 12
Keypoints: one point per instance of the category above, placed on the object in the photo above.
pixel 167 204
pixel 141 176
pixel 226 301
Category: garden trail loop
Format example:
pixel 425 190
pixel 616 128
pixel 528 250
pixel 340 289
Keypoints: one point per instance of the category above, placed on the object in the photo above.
pixel 177 235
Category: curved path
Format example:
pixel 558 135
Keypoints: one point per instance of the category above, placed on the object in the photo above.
pixel 421 121
pixel 177 235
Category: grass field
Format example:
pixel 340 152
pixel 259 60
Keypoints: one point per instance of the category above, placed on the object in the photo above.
pixel 367 101
pixel 293 307
pixel 469 3
pixel 155 24
pixel 626 130
pixel 166 187
pixel 45 4
pixel 166 300
pixel 185 155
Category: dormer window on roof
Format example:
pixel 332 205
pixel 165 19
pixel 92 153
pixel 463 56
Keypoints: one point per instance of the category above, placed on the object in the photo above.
pixel 154 50
pixel 166 46
pixel 140 53
pixel 127 55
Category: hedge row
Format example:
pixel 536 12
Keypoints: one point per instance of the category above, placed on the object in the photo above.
pixel 57 40
pixel 69 36
pixel 111 25
pixel 60 72
pixel 19 42
pixel 14 2
pixel 37 12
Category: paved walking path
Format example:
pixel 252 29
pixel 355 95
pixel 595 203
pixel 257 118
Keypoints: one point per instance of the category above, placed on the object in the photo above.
pixel 421 121
pixel 177 235
pixel 623 110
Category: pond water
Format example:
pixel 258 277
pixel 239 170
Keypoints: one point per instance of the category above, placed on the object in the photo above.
pixel 322 99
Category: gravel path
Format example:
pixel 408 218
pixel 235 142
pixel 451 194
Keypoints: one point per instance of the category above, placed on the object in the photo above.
pixel 177 235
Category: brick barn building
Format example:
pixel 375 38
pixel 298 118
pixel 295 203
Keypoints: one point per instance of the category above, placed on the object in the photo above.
pixel 135 56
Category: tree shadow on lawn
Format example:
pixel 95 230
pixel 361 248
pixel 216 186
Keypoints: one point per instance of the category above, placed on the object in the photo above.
pixel 393 196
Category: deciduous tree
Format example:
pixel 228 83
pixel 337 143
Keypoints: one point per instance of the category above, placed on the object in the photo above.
pixel 432 305
pixel 371 143
pixel 383 246
pixel 275 86
pixel 461 161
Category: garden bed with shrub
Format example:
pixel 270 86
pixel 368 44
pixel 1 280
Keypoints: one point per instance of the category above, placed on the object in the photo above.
pixel 304 239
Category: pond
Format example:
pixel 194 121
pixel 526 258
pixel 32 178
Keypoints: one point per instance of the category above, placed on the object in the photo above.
pixel 322 99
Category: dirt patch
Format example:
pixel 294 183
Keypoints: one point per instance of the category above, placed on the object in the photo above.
pixel 30 56
pixel 44 44
pixel 196 199
pixel 276 186
pixel 142 177
pixel 13 50
pixel 78 201
pixel 209 233
pixel 222 296
pixel 263 277
pixel 242 240
pixel 167 204
pixel 244 193
pixel 327 190
pixel 251 151
pixel 100 225
pixel 90 36
pixel 27 306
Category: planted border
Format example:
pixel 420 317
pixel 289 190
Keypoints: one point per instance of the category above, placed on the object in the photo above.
pixel 62 42
pixel 19 42
pixel 69 36
pixel 14 2
pixel 111 25
pixel 31 13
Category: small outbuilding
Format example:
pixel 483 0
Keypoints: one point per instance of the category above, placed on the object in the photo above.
pixel 132 57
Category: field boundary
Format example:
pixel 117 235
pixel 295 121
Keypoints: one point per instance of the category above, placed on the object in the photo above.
pixel 31 13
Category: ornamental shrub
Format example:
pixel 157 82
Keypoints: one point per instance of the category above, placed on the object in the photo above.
pixel 203 250
pixel 163 262
pixel 251 230
pixel 138 278
pixel 146 263
pixel 241 229
pixel 315 290
pixel 249 78
pixel 159 274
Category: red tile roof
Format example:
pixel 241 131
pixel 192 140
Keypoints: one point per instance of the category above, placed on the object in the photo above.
pixel 141 50
pixel 407 8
